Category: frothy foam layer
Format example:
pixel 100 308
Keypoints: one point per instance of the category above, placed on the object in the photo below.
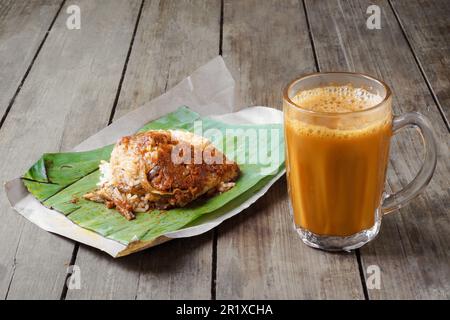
pixel 302 129
pixel 336 99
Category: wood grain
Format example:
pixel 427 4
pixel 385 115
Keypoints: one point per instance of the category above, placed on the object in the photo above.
pixel 173 39
pixel 66 98
pixel 23 25
pixel 412 249
pixel 427 27
pixel 259 255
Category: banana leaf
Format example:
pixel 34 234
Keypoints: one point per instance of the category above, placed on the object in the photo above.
pixel 59 180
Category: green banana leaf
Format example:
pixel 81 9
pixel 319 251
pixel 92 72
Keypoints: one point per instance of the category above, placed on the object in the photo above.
pixel 59 180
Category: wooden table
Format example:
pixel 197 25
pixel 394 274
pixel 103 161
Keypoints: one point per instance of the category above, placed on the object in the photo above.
pixel 59 86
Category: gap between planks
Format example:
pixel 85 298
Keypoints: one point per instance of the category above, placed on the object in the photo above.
pixel 22 81
pixel 215 232
pixel 419 65
pixel 111 117
pixel 13 99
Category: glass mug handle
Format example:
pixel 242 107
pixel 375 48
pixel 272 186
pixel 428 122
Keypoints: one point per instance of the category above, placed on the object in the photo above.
pixel 416 120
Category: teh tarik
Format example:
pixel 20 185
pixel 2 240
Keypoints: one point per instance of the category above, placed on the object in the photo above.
pixel 336 168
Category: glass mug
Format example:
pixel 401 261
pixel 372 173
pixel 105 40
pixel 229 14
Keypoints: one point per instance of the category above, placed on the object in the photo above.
pixel 336 160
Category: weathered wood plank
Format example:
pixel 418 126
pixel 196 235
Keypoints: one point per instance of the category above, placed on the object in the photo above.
pixel 427 27
pixel 259 255
pixel 412 249
pixel 67 97
pixel 23 25
pixel 173 39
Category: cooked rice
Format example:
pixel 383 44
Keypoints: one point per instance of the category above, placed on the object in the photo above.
pixel 141 176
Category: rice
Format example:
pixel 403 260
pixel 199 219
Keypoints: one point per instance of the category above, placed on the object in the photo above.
pixel 141 175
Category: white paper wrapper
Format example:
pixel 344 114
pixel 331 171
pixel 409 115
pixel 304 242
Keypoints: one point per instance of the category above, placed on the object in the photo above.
pixel 208 91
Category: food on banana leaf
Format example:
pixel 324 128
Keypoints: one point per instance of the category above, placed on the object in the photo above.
pixel 162 169
pixel 59 181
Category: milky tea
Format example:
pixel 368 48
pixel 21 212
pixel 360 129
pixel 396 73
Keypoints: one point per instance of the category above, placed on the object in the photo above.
pixel 336 170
